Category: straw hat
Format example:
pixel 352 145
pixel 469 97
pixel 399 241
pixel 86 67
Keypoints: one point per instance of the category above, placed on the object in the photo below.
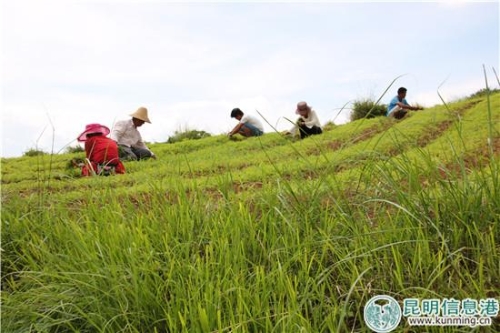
pixel 301 105
pixel 92 129
pixel 141 114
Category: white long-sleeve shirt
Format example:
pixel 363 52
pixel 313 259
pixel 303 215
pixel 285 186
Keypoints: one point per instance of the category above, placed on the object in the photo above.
pixel 310 121
pixel 125 133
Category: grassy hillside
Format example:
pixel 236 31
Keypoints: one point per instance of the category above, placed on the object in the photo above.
pixel 259 235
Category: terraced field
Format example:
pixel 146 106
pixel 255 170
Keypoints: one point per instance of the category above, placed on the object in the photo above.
pixel 259 235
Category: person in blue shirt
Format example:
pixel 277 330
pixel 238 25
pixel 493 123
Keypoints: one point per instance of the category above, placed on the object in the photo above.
pixel 399 107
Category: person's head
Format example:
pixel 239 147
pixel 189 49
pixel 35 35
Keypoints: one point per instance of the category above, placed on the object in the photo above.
pixel 93 130
pixel 237 113
pixel 402 92
pixel 140 117
pixel 303 109
pixel 137 122
pixel 89 135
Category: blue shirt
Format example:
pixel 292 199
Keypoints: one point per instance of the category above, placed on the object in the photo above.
pixel 393 103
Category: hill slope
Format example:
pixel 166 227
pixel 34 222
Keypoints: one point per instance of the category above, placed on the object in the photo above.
pixel 258 235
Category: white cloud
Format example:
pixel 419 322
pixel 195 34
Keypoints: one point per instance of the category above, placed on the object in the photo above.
pixel 190 64
pixel 455 3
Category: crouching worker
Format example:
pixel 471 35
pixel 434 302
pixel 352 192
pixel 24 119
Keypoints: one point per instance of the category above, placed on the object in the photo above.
pixel 126 134
pixel 101 152
pixel 308 122
pixel 248 125
pixel 398 107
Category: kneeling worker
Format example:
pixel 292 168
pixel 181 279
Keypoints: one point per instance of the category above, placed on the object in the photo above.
pixel 398 107
pixel 248 125
pixel 308 122
pixel 101 152
pixel 129 140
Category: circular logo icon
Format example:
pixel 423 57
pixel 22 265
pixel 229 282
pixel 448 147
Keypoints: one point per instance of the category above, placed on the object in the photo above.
pixel 382 314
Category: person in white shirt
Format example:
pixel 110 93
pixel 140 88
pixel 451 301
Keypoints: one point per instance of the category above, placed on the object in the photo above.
pixel 308 122
pixel 248 125
pixel 128 138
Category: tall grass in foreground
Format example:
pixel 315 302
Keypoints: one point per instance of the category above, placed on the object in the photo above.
pixel 302 255
pixel 197 264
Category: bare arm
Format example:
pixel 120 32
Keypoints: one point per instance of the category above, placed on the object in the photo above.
pixel 236 129
pixel 409 107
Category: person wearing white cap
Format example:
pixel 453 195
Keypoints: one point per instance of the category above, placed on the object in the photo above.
pixel 128 138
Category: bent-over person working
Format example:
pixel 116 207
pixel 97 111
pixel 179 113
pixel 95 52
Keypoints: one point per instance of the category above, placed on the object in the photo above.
pixel 398 107
pixel 126 134
pixel 248 125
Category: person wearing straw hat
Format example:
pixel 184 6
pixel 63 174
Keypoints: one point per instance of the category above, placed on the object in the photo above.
pixel 126 134
pixel 101 152
pixel 308 122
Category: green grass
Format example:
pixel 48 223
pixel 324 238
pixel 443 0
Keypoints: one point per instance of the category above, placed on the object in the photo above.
pixel 367 108
pixel 259 235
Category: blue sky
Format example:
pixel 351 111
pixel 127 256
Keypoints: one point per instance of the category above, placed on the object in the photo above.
pixel 66 64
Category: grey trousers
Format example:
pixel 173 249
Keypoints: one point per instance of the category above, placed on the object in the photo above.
pixel 133 154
